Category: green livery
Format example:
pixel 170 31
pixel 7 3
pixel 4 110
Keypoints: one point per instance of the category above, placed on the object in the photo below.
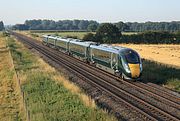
pixel 120 61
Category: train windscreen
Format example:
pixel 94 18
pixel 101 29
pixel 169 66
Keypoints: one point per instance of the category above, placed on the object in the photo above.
pixel 131 56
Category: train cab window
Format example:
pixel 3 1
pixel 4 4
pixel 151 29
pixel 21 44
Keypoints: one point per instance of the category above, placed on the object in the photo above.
pixel 131 56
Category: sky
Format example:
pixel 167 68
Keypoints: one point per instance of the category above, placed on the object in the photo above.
pixel 17 11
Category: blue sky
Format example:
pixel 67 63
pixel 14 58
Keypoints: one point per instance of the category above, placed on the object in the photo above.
pixel 17 11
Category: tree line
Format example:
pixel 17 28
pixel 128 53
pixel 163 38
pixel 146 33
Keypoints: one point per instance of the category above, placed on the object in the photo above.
pixel 148 33
pixel 93 25
pixel 109 33
pixel 151 37
pixel 57 25
pixel 153 26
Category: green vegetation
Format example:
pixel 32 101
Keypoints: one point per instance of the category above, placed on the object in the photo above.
pixel 161 74
pixel 50 101
pixel 10 99
pixel 59 25
pixel 107 33
pixel 46 99
pixel 93 25
pixel 151 37
pixel 89 37
pixel 76 35
pixel 153 26
pixel 129 33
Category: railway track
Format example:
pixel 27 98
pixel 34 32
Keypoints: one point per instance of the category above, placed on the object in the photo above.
pixel 155 107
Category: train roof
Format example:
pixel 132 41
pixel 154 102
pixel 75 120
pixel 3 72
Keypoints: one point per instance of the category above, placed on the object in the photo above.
pixel 52 37
pixel 45 36
pixel 109 48
pixel 63 39
pixel 86 44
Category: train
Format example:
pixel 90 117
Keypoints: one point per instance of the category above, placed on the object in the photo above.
pixel 120 61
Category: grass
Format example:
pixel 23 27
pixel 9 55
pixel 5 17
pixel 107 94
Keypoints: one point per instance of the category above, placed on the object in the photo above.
pixel 78 35
pixel 129 33
pixel 161 74
pixel 38 36
pixel 49 95
pixel 11 107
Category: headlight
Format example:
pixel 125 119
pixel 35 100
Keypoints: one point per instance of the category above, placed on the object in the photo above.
pixel 126 67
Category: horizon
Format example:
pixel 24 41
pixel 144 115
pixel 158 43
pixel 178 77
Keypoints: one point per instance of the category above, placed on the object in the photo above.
pixel 141 11
pixel 96 21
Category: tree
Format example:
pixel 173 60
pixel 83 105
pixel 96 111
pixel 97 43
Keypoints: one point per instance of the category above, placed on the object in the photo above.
pixel 20 27
pixel 92 27
pixel 1 26
pixel 59 25
pixel 108 33
pixel 122 26
pixel 83 25
pixel 154 26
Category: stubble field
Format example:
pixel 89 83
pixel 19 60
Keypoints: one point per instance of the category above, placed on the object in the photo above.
pixel 162 53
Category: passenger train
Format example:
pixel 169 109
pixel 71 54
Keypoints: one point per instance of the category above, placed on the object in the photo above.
pixel 120 61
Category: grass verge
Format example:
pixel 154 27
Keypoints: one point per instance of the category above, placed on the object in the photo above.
pixel 11 108
pixel 48 95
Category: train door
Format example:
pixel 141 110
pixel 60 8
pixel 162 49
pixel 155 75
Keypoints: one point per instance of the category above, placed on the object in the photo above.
pixel 88 55
pixel 114 61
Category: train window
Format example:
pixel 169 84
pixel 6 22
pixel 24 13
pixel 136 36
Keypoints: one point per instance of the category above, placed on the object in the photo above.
pixel 51 41
pixel 102 55
pixel 77 48
pixel 131 56
pixel 61 44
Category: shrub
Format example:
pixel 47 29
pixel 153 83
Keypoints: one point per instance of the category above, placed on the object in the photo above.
pixel 74 37
pixel 89 37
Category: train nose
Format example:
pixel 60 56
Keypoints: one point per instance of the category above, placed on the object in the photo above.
pixel 135 70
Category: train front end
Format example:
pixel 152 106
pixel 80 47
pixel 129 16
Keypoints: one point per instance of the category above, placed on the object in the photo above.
pixel 132 65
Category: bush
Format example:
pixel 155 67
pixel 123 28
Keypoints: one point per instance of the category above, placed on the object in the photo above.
pixel 74 37
pixel 152 37
pixel 108 33
pixel 6 34
pixel 89 37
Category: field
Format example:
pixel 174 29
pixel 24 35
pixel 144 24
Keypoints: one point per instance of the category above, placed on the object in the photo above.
pixel 161 65
pixel 48 94
pixel 129 33
pixel 79 35
pixel 11 107
pixel 166 54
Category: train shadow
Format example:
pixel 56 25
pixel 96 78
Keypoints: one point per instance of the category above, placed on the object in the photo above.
pixel 159 73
